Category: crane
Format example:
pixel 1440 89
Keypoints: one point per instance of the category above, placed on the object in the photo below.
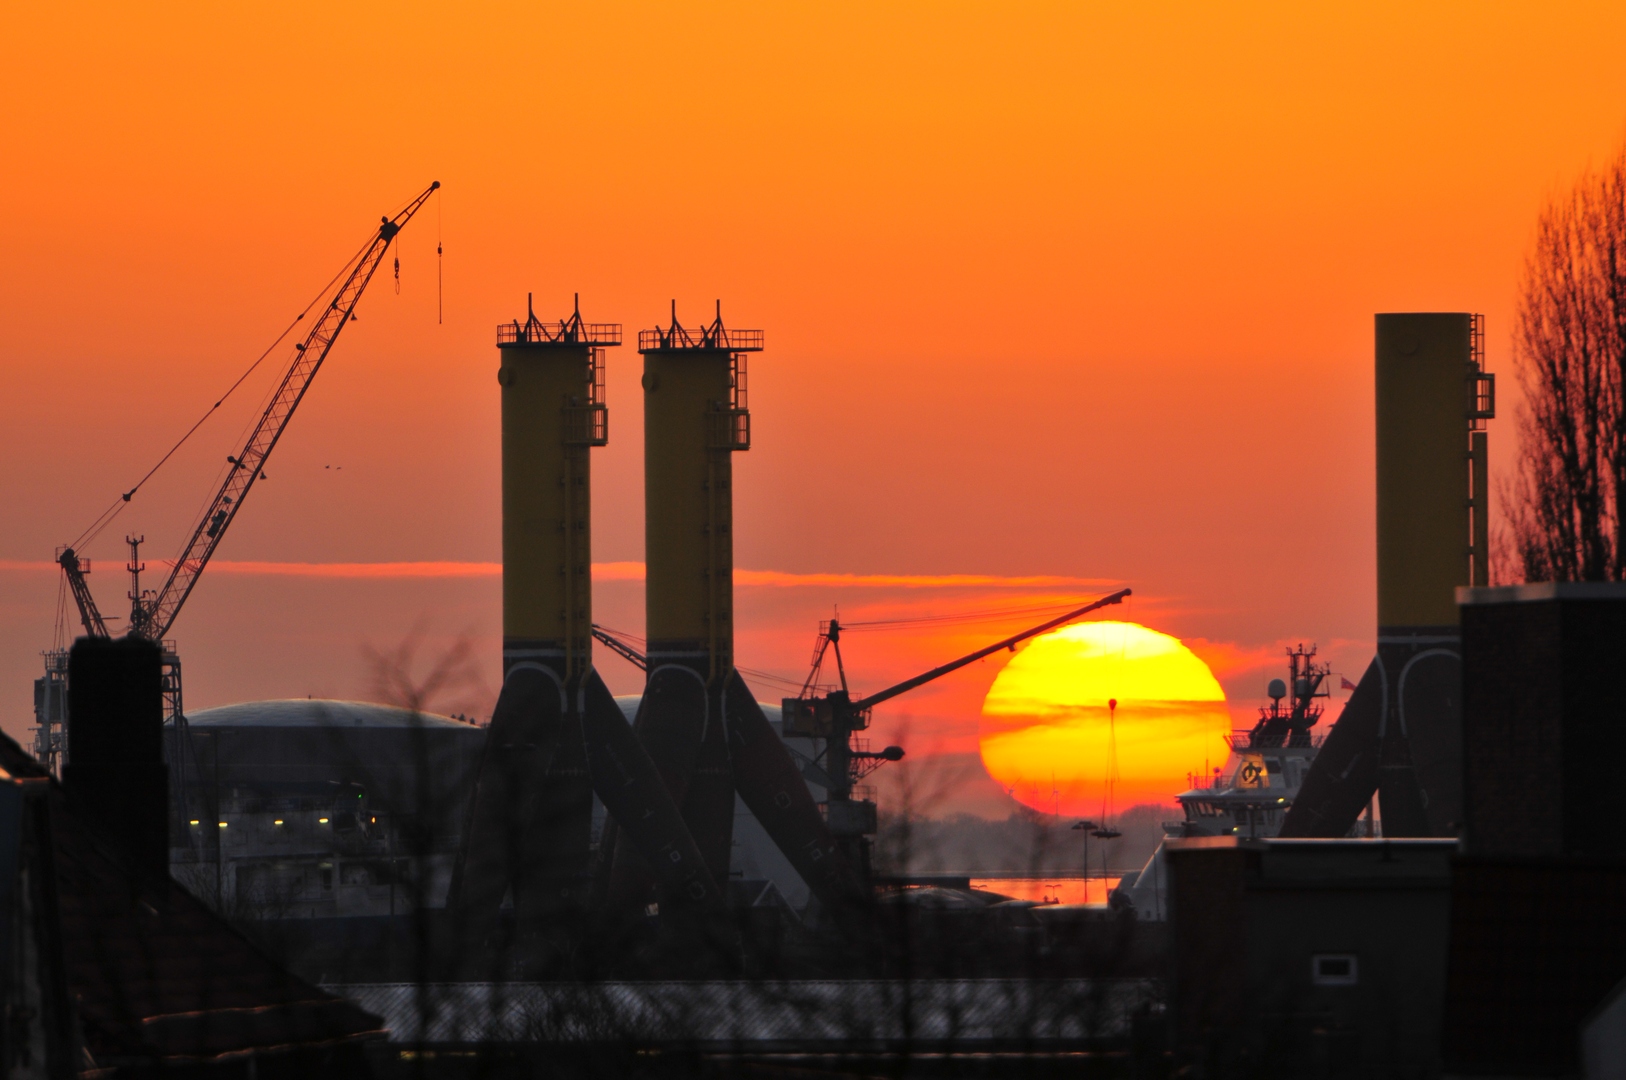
pixel 835 716
pixel 153 612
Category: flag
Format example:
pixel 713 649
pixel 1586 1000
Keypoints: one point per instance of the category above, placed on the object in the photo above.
pixel 1345 684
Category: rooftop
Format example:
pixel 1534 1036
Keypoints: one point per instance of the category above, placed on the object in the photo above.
pixel 1537 591
pixel 154 975
pixel 318 713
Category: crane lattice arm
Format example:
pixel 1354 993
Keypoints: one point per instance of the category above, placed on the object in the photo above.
pixel 75 571
pixel 621 648
pixel 1008 643
pixel 835 716
pixel 152 618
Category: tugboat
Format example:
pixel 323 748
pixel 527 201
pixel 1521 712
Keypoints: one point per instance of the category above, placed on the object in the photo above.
pixel 1250 794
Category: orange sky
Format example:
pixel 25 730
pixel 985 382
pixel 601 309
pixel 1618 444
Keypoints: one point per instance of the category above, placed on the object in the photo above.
pixel 1049 290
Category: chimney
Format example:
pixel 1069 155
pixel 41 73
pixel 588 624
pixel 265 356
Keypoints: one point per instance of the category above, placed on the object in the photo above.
pixel 115 746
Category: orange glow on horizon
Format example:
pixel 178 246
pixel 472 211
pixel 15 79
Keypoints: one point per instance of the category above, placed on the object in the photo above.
pixel 611 571
pixel 1056 297
pixel 1047 732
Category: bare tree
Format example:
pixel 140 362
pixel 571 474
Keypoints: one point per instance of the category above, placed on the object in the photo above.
pixel 1570 355
pixel 453 680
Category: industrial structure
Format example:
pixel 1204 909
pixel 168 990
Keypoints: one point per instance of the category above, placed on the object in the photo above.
pixel 1536 947
pixel 644 838
pixel 556 736
pixel 111 967
pixel 702 727
pixel 1400 734
pixel 153 612
pixel 312 809
pixel 1308 959
pixel 831 718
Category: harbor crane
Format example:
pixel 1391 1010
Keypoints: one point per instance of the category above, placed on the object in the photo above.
pixel 836 716
pixel 153 612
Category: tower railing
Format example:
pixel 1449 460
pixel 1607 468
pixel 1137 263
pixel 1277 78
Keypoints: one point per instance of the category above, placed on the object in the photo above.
pixel 730 429
pixel 564 332
pixel 587 425
pixel 712 338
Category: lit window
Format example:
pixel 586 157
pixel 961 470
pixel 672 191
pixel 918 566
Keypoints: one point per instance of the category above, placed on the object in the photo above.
pixel 194 821
pixel 321 821
pixel 1333 970
pixel 222 824
pixel 277 822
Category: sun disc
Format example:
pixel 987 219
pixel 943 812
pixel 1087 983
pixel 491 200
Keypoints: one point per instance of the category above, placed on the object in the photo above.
pixel 1048 733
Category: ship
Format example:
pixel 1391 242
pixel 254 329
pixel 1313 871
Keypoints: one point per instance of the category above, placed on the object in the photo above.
pixel 1250 794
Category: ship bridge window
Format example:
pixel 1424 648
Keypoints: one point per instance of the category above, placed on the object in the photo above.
pixel 1334 969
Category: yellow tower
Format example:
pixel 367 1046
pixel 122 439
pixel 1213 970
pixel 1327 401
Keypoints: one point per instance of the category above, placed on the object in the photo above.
pixel 530 824
pixel 553 411
pixel 704 733
pixel 1400 734
pixel 1433 397
pixel 695 419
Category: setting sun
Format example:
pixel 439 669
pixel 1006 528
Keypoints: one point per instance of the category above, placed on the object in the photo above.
pixel 1048 733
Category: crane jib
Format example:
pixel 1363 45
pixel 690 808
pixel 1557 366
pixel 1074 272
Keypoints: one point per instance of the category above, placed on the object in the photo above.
pixel 954 665
pixel 152 618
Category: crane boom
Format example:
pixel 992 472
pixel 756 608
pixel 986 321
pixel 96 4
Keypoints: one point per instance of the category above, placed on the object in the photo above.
pixel 953 665
pixel 74 570
pixel 152 618
pixel 621 648
pixel 837 715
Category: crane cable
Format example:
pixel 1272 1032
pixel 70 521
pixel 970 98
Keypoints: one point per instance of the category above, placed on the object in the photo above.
pixel 995 615
pixel 1112 737
pixel 440 275
pixel 255 416
pixel 639 643
pixel 113 511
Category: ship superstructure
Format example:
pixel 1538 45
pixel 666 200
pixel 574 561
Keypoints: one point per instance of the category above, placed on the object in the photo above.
pixel 1251 793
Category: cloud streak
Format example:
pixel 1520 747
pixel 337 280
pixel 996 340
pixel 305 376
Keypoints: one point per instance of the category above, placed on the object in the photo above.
pixel 617 571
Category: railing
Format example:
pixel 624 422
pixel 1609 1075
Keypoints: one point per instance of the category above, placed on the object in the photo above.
pixel 1243 740
pixel 1482 385
pixel 595 377
pixel 1484 400
pixel 587 425
pixel 564 332
pixel 715 338
pixel 730 429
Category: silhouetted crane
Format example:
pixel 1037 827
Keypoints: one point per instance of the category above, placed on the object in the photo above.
pixel 837 715
pixel 152 613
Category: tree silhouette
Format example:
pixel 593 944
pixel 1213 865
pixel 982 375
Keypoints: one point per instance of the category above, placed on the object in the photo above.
pixel 1569 344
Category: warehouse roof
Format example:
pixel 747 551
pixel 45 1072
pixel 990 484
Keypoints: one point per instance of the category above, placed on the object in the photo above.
pixel 319 712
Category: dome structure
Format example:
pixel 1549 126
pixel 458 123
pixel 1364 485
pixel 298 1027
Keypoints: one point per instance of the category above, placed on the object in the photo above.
pixel 307 807
pixel 317 712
